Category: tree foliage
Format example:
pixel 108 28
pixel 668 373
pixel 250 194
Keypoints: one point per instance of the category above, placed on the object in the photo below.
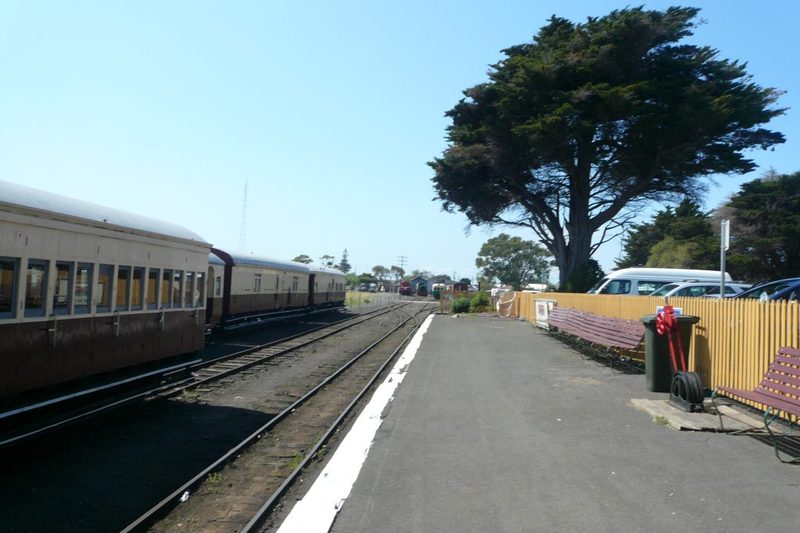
pixel 416 273
pixel 397 272
pixel 513 261
pixel 583 278
pixel 344 265
pixel 353 280
pixel 380 271
pixel 576 130
pixel 679 237
pixel 480 303
pixel 303 258
pixel 765 225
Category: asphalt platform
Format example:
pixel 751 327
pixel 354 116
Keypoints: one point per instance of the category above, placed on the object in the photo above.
pixel 497 427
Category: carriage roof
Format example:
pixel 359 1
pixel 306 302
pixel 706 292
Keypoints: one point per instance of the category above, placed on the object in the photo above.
pixel 15 197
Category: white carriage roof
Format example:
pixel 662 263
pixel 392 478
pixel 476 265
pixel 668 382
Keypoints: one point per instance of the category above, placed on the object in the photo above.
pixel 325 270
pixel 243 258
pixel 213 259
pixel 12 194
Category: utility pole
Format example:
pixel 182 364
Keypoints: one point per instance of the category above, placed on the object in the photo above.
pixel 402 260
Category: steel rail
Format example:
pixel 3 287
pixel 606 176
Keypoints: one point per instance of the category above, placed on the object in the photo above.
pixel 85 392
pixel 162 390
pixel 85 415
pixel 265 509
pixel 206 365
pixel 182 493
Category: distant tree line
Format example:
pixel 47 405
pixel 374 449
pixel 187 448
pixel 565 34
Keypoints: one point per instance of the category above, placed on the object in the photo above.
pixel 765 224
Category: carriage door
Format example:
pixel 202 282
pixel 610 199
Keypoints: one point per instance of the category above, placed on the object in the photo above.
pixel 210 295
pixel 311 290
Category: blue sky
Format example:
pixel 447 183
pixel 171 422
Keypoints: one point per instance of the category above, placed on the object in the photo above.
pixel 328 110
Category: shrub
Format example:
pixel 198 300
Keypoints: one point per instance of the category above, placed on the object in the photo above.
pixel 461 305
pixel 480 302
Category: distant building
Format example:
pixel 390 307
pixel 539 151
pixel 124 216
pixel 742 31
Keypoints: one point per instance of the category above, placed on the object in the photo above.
pixel 416 282
pixel 535 287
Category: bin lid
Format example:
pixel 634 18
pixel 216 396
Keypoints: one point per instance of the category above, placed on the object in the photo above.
pixel 651 319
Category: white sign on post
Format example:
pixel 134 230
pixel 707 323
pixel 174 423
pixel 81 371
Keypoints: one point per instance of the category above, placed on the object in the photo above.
pixel 725 234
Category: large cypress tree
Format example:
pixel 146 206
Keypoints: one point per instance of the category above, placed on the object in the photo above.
pixel 576 130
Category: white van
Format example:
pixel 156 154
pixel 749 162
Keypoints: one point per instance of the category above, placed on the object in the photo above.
pixel 643 281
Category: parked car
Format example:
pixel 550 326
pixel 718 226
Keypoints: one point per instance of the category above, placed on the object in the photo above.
pixel 643 281
pixel 699 288
pixel 782 289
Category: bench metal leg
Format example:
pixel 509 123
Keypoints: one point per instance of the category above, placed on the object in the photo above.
pixel 751 432
pixel 716 408
pixel 774 438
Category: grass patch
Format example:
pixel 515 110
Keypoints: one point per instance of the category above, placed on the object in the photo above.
pixel 661 420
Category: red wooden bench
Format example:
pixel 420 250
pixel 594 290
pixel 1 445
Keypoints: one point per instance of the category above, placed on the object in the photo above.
pixel 779 391
pixel 559 317
pixel 606 331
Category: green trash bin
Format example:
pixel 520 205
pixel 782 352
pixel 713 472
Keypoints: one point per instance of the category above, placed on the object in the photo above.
pixel 657 363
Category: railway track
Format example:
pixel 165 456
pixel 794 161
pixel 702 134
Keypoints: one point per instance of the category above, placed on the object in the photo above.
pixel 41 418
pixel 102 475
pixel 239 490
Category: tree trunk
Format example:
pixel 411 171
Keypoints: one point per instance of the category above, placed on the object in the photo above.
pixel 578 226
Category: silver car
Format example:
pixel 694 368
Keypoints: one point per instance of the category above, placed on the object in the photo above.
pixel 699 288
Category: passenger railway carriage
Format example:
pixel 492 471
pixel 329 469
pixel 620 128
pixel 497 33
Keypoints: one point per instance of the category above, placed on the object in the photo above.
pixel 86 289
pixel 328 287
pixel 247 289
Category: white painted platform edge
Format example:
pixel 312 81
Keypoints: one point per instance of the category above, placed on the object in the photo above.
pixel 317 510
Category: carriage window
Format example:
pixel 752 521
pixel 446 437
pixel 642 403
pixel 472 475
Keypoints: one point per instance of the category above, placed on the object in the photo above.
pixel 83 287
pixel 103 298
pixel 61 296
pixel 218 286
pixel 8 287
pixel 137 288
pixel 199 290
pixel 152 288
pixel 123 288
pixel 256 282
pixel 177 286
pixel 166 289
pixel 187 289
pixel 295 283
pixel 35 287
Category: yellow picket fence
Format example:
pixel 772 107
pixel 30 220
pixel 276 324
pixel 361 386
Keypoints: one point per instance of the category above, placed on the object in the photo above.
pixel 732 345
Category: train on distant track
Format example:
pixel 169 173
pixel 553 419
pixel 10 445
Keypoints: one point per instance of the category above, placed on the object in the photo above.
pixel 86 290
pixel 405 289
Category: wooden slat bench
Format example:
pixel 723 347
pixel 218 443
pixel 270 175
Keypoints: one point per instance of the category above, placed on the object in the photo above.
pixel 779 391
pixel 559 317
pixel 607 331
